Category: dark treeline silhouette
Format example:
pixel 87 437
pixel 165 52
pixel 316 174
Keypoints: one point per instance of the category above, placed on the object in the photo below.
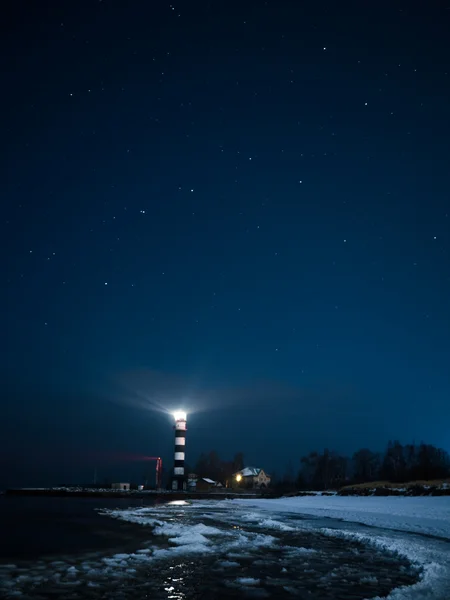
pixel 399 463
pixel 212 466
pixel 329 470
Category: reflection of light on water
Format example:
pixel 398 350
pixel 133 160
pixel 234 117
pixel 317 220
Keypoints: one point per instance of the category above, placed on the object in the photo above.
pixel 255 556
pixel 173 593
pixel 178 503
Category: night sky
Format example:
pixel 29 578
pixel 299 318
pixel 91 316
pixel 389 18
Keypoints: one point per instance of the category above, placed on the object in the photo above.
pixel 240 208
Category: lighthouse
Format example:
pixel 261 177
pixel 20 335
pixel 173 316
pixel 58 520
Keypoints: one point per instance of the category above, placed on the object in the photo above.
pixel 179 479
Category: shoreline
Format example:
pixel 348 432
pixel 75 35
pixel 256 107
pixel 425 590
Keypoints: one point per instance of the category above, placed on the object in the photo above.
pixel 133 494
pixel 386 489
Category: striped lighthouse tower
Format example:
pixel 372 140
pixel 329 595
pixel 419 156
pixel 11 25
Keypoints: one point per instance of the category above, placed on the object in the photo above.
pixel 179 479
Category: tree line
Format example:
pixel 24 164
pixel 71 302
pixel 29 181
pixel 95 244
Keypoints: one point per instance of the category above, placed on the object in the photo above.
pixel 211 465
pixel 327 470
pixel 398 464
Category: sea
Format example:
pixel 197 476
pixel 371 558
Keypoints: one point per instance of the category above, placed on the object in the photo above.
pixel 130 549
pixel 35 526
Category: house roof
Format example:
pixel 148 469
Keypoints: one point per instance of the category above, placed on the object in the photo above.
pixel 249 472
pixel 208 480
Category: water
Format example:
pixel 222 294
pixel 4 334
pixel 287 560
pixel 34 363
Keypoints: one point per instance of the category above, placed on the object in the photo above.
pixel 66 548
pixel 32 527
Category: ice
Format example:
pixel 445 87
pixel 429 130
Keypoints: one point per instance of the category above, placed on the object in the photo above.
pixel 259 546
pixel 417 528
pixel 142 558
pixel 111 562
pixel 248 581
pixel 176 529
pixel 291 550
pixel 189 539
pixel 228 564
pixel 251 540
pixel 428 514
pixel 368 580
pixel 141 517
pixel 272 524
pixel 194 548
pixel 252 516
pixel 291 590
pixel 432 558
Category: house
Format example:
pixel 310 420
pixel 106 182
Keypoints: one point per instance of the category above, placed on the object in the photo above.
pixel 121 486
pixel 192 482
pixel 202 484
pixel 251 477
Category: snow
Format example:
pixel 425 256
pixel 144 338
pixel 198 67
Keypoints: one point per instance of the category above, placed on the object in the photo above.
pixel 247 581
pixel 417 528
pixel 422 514
pixel 260 548
pixel 227 564
pixel 249 472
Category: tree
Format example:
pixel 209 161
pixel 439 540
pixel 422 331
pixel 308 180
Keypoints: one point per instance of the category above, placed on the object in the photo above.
pixel 412 462
pixel 432 462
pixel 393 467
pixel 309 467
pixel 324 471
pixel 289 474
pixel 238 462
pixel 210 465
pixel 201 468
pixel 214 465
pixel 366 465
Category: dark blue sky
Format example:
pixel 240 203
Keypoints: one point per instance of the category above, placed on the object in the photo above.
pixel 241 207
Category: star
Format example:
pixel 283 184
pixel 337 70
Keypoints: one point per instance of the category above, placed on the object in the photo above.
pixel 70 203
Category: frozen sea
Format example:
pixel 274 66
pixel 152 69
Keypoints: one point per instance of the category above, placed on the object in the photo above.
pixel 315 548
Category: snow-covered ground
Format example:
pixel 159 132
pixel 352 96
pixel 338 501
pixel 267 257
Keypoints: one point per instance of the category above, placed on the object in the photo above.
pixel 417 528
pixel 426 515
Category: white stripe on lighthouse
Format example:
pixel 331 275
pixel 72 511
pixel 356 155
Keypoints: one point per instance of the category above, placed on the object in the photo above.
pixel 180 441
pixel 179 455
pixel 178 471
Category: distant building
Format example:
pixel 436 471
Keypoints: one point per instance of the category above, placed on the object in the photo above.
pixel 121 486
pixel 202 484
pixel 251 477
pixel 192 482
